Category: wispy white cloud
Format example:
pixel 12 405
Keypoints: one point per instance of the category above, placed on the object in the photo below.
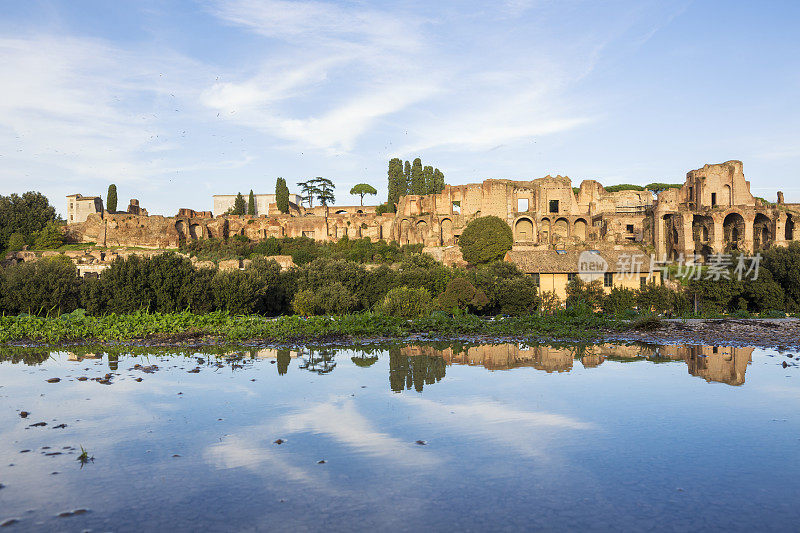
pixel 87 109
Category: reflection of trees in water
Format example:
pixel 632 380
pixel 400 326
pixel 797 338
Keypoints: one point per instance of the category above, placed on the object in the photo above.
pixel 27 356
pixel 417 371
pixel 364 361
pixel 284 358
pixel 319 361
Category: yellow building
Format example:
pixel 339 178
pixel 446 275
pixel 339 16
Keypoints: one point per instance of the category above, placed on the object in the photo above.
pixel 555 269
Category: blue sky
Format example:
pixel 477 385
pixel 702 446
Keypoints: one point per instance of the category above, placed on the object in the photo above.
pixel 176 100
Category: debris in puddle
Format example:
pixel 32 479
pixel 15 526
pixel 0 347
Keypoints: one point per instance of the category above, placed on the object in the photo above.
pixel 279 441
pixel 9 522
pixel 38 425
pixel 60 426
pixel 76 512
pixel 421 442
pixel 321 462
pixel 23 414
pixel 54 380
pixel 82 378
pixel 84 458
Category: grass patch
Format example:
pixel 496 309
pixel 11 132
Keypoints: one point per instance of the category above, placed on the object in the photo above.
pixel 186 325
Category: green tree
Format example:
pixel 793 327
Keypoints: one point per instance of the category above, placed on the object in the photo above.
pixel 47 286
pixel 658 187
pixel 308 190
pixel 461 294
pixel 282 195
pixel 485 239
pixel 397 181
pixel 49 237
pixel 427 178
pixel 407 178
pixel 239 205
pixel 16 242
pixel 111 198
pixel 363 188
pixel 251 203
pixel 438 181
pixel 25 214
pixel 417 177
pixel 323 190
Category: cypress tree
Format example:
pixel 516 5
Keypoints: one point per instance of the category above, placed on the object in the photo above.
pixel 427 178
pixel 396 180
pixel 239 206
pixel 282 195
pixel 111 198
pixel 406 189
pixel 417 179
pixel 251 203
pixel 438 181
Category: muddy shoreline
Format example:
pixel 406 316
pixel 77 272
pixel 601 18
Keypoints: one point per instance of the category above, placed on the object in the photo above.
pixel 781 334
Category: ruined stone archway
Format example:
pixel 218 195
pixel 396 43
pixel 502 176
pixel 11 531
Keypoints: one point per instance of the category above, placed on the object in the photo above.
pixel 671 235
pixel 789 228
pixel 733 231
pixel 544 230
pixel 763 234
pixel 560 230
pixel 422 231
pixel 446 229
pixel 703 235
pixel 579 229
pixel 405 227
pixel 193 231
pixel 180 227
pixel 523 230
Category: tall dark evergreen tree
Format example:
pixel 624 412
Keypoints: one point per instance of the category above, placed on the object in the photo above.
pixel 427 177
pixel 282 195
pixel 397 181
pixel 407 178
pixel 239 205
pixel 111 198
pixel 438 181
pixel 417 178
pixel 251 204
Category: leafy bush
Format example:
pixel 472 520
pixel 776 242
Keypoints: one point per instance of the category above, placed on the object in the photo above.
pixel 47 286
pixel 551 303
pixel 332 299
pixel 462 295
pixel 49 237
pixel 406 302
pixel 619 300
pixel 583 296
pixel 16 242
pixel 485 239
pixel 517 296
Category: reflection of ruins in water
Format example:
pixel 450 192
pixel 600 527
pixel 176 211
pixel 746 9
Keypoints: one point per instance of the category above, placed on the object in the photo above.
pixel 724 364
pixel 414 366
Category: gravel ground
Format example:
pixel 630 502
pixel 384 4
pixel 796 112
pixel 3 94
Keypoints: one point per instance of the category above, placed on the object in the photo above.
pixel 780 333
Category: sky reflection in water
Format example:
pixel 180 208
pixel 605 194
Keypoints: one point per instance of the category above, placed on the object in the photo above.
pixel 515 437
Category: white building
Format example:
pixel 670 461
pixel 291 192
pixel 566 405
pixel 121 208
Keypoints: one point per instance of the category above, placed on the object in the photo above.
pixel 224 202
pixel 79 207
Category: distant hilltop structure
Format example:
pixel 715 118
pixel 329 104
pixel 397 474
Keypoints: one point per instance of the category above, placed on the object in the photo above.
pixel 712 212
pixel 80 207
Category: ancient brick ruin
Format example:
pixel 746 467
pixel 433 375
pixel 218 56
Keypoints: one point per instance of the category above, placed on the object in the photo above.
pixel 712 212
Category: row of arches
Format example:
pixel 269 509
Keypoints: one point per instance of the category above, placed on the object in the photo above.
pixel 733 231
pixel 554 231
